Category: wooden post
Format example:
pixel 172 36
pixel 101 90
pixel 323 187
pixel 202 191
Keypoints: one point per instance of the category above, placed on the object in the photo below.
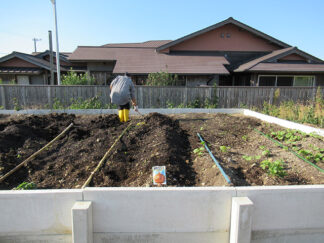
pixel 3 97
pixel 49 97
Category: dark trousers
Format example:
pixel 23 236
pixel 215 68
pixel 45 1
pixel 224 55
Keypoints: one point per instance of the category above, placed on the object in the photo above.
pixel 123 107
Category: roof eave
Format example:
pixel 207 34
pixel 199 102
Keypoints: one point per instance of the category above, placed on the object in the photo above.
pixel 23 57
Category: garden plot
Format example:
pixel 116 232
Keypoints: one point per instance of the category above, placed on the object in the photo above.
pixel 247 157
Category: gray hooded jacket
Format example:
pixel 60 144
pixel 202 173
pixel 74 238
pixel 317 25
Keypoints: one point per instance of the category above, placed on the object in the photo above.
pixel 122 90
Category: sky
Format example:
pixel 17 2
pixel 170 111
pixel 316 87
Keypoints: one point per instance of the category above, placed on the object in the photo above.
pixel 96 22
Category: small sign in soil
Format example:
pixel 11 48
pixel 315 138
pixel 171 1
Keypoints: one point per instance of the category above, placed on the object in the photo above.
pixel 159 175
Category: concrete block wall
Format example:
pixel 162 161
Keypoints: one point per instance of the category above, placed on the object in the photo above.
pixel 286 213
pixel 39 214
pixel 215 214
pixel 156 214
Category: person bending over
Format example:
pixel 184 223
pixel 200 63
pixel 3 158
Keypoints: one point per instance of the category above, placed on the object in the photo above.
pixel 122 92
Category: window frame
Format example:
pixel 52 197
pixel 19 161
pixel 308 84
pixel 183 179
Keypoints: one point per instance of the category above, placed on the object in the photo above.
pixel 294 77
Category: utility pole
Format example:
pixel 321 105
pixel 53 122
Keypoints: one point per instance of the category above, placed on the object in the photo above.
pixel 58 68
pixel 51 56
pixel 35 40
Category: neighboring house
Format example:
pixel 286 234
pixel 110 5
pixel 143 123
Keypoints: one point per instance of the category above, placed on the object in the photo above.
pixel 21 68
pixel 227 53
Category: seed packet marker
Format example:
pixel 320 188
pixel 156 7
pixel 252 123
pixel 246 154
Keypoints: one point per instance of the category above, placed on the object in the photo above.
pixel 159 175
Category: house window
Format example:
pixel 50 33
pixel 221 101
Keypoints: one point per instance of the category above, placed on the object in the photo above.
pixel 285 80
pixel 267 80
pixel 304 81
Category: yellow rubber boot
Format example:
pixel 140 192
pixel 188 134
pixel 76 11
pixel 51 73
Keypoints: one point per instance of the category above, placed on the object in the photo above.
pixel 121 115
pixel 126 115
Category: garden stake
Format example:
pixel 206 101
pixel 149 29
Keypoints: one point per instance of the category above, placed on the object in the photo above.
pixel 105 157
pixel 216 162
pixel 35 154
pixel 293 152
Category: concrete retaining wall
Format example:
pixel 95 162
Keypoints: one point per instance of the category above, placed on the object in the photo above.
pixel 259 214
pixel 37 215
pixel 276 214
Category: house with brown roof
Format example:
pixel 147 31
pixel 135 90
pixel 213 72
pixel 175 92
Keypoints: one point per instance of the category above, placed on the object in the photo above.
pixel 227 53
pixel 22 68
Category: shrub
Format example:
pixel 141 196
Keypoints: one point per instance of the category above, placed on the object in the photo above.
pixel 72 78
pixel 91 103
pixel 162 79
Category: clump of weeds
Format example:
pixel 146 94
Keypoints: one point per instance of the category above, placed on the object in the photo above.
pixel 26 186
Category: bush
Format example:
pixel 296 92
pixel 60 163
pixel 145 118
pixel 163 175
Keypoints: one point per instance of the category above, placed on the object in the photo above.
pixel 162 79
pixel 72 78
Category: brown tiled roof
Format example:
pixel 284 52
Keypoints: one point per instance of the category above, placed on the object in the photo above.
pixel 30 58
pixel 146 44
pixel 254 62
pixel 145 60
pixel 288 67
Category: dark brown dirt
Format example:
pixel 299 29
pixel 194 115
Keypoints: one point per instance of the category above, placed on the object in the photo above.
pixel 153 140
pixel 237 133
pixel 156 141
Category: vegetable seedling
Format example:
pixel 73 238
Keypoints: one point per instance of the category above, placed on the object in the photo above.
pixel 199 151
pixel 275 168
pixel 244 137
pixel 224 149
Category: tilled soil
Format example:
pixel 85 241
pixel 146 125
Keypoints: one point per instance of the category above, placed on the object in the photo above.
pixel 237 133
pixel 153 140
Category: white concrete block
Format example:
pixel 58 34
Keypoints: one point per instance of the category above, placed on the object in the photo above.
pixel 82 228
pixel 37 211
pixel 241 220
pixel 286 207
pixel 161 209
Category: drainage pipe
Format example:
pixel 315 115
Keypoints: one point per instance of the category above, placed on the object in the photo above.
pixel 35 154
pixel 105 157
pixel 214 159
pixel 293 152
